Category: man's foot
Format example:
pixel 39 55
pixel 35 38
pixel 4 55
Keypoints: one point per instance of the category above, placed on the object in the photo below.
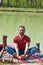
pixel 15 56
pixel 25 57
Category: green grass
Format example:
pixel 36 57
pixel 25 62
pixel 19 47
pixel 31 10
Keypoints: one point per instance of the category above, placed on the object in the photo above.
pixel 10 21
pixel 9 8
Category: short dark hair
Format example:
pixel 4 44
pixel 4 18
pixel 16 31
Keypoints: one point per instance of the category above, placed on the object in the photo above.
pixel 22 27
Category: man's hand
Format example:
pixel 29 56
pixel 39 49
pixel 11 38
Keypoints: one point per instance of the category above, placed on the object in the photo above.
pixel 17 49
pixel 26 48
pixel 23 56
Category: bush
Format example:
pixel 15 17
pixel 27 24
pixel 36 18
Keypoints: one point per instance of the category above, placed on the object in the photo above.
pixel 12 3
pixel 17 3
pixel 42 3
pixel 23 3
pixel 4 3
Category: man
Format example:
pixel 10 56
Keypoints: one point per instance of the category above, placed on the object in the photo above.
pixel 21 43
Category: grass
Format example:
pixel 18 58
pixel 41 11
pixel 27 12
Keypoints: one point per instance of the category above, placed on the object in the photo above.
pixel 10 21
pixel 9 8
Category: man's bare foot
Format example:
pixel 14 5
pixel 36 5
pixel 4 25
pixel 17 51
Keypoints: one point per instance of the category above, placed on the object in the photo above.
pixel 24 56
pixel 15 56
pixel 21 56
pixel 5 52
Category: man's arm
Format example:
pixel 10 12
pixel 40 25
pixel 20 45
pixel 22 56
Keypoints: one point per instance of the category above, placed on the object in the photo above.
pixel 16 48
pixel 26 47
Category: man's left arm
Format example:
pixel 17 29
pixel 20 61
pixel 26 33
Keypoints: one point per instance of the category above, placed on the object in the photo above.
pixel 25 51
pixel 26 47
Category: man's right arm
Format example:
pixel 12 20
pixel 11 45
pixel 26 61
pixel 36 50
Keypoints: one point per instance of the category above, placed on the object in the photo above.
pixel 16 48
pixel 15 41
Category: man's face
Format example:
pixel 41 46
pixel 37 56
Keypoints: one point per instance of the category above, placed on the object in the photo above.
pixel 21 31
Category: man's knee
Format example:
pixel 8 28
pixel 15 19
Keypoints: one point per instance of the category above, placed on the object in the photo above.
pixel 6 48
pixel 34 49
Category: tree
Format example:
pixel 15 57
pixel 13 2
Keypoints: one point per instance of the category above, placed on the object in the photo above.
pixel 23 3
pixel 35 3
pixel 4 3
pixel 12 3
pixel 39 2
pixel 17 3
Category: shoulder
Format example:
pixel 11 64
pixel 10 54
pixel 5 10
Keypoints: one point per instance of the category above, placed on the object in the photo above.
pixel 16 37
pixel 27 38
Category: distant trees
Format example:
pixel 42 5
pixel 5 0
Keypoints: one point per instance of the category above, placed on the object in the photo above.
pixel 22 3
pixel 12 3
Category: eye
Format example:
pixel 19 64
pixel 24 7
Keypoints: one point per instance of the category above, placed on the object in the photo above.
pixel 21 30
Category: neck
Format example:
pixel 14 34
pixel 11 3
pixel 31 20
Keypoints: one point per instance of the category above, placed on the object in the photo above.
pixel 21 36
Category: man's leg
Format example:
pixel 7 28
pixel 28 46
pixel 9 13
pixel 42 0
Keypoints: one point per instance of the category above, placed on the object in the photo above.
pixel 10 50
pixel 32 50
pixel 21 53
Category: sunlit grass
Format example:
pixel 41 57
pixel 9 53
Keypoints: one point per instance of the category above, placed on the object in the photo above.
pixel 9 8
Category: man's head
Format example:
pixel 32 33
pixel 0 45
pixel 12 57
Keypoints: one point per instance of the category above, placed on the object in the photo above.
pixel 21 30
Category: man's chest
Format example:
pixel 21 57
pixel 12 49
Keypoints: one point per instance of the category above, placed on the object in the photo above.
pixel 21 41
